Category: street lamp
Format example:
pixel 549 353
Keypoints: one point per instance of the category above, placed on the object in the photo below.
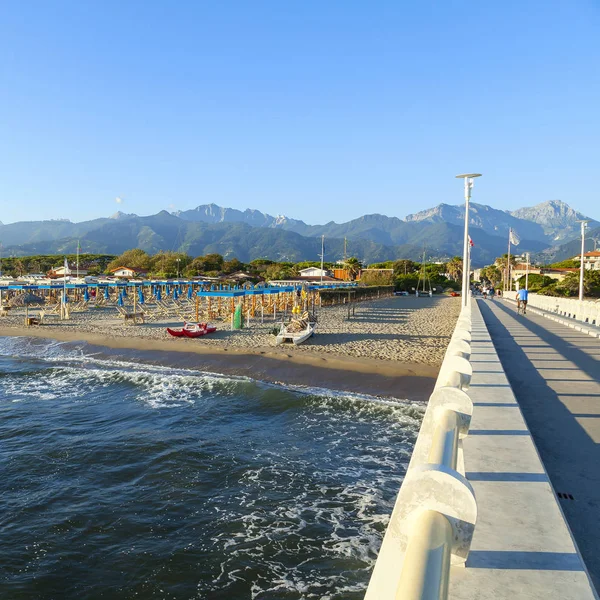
pixel 584 223
pixel 177 260
pixel 468 177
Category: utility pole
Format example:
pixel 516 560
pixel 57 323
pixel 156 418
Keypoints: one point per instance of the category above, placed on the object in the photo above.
pixel 322 256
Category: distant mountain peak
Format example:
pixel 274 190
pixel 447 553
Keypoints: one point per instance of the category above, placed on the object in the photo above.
pixel 122 215
pixel 556 217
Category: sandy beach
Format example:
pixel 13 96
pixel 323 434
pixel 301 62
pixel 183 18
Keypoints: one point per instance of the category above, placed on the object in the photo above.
pixel 388 347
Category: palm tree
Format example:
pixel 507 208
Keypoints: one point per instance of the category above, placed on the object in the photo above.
pixel 454 268
pixel 353 266
pixel 501 263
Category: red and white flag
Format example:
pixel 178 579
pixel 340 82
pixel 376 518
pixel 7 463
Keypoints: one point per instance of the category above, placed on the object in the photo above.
pixel 471 242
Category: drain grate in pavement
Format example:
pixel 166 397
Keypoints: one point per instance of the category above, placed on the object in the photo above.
pixel 564 496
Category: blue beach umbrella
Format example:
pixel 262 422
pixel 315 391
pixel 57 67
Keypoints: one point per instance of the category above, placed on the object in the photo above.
pixel 141 298
pixel 190 292
pixel 86 295
pixel 106 294
pixel 120 300
pixel 65 297
pixel 124 292
pixel 158 295
pixel 175 294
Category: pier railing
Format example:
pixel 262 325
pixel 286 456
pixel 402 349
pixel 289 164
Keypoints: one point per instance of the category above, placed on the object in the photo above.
pixel 586 311
pixel 432 524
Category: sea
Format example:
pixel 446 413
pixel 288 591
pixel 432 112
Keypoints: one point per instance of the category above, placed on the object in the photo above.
pixel 123 480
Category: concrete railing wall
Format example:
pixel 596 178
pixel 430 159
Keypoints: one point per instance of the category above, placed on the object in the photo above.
pixel 432 524
pixel 587 311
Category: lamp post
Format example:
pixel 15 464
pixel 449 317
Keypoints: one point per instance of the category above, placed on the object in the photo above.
pixel 527 274
pixel 468 177
pixel 177 260
pixel 322 256
pixel 584 223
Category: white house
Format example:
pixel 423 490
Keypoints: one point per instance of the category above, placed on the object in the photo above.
pixel 71 270
pixel 128 272
pixel 314 272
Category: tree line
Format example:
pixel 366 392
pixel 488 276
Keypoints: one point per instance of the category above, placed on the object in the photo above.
pixel 404 273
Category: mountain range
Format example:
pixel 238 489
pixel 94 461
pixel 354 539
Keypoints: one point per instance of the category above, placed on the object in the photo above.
pixel 544 229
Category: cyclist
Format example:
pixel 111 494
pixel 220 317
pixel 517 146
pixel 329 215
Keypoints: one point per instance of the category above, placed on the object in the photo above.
pixel 522 296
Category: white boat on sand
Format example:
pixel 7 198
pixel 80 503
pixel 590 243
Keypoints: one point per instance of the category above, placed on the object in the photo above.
pixel 297 331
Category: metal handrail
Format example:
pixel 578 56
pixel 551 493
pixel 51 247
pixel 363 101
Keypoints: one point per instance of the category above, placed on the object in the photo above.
pixel 435 496
pixel 444 446
pixel 426 568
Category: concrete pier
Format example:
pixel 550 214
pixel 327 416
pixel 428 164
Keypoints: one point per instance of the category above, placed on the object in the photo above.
pixel 555 374
pixel 522 547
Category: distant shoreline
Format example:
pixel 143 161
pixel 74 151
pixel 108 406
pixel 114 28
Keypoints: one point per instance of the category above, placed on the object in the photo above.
pixel 375 377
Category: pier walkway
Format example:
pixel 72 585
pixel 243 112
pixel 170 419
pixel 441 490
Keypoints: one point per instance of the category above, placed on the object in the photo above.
pixel 554 373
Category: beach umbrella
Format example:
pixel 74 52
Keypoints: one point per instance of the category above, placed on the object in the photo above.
pixel 120 300
pixel 141 296
pixel 124 292
pixel 86 295
pixel 158 296
pixel 106 294
pixel 190 292
pixel 26 299
pixel 175 294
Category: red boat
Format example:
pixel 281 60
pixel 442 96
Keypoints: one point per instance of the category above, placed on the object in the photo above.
pixel 199 332
pixel 191 330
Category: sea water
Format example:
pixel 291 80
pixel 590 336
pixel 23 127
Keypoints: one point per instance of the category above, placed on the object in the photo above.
pixel 123 480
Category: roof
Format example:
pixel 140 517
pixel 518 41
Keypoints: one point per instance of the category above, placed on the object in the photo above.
pixel 560 269
pixel 134 269
pixel 311 279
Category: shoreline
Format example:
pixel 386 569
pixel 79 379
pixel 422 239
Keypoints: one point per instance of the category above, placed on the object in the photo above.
pixel 376 377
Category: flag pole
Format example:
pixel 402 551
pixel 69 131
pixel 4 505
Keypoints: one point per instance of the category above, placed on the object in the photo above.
pixel 509 282
pixel 64 298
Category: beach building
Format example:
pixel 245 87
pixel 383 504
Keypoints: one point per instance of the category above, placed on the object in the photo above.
pixel 301 280
pixel 591 260
pixel 63 272
pixel 128 272
pixel 341 274
pixel 520 269
pixel 556 273
pixel 314 272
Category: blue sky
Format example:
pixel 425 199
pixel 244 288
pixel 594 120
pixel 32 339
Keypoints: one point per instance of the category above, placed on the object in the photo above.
pixel 317 110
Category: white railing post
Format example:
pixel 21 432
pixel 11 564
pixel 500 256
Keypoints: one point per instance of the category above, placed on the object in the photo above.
pixel 426 568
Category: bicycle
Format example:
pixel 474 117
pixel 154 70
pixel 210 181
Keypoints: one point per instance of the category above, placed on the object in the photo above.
pixel 521 307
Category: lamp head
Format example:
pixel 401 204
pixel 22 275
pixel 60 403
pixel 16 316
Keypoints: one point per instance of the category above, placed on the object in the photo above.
pixel 468 175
